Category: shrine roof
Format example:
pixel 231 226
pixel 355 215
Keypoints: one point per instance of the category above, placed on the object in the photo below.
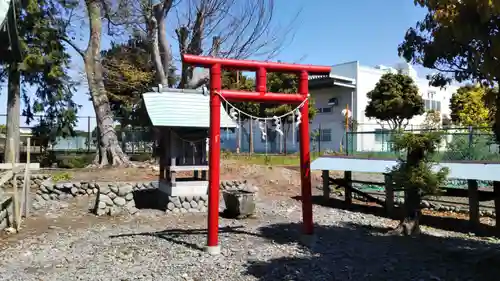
pixel 182 108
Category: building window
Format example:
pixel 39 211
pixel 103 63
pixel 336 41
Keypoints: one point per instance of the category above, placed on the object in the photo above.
pixel 325 135
pixel 324 110
pixel 432 105
pixel 431 94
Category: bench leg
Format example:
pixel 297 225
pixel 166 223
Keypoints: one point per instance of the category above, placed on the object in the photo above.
pixel 348 188
pixel 389 195
pixel 473 203
pixel 326 184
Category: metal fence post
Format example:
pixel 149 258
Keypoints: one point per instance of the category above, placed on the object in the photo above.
pixel 89 134
pixel 319 138
pixel 469 156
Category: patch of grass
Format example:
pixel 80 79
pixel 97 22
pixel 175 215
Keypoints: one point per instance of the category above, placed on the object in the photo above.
pixel 266 160
pixel 63 176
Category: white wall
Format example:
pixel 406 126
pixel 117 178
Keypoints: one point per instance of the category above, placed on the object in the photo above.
pixel 367 79
pixel 331 123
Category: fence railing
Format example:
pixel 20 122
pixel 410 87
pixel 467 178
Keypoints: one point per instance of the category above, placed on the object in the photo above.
pixel 456 144
pixel 325 137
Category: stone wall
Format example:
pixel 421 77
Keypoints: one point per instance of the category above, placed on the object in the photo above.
pixel 115 198
pixel 49 191
pixel 125 197
pixel 35 181
pixel 431 205
pixel 6 211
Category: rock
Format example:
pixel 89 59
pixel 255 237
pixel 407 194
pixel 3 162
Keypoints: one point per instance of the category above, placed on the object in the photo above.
pixel 68 185
pixel 43 189
pixel 114 211
pixel 130 205
pixel 88 191
pixel 188 198
pixel 101 205
pixel 36 206
pixel 95 189
pixel 194 204
pixel 46 196
pixel 120 201
pixel 101 212
pixel 50 187
pixel 170 206
pixel 129 196
pixel 59 186
pixel 204 197
pixel 113 188
pixel 177 204
pixel 173 199
pixel 74 190
pixel 132 210
pixel 124 190
pixel 104 198
pixel 154 185
pixel 186 205
pixel 104 189
pixel 112 195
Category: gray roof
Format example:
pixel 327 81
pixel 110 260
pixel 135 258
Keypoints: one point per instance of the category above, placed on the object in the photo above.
pixel 182 108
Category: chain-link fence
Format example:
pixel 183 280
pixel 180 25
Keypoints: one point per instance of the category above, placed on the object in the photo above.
pixel 457 144
pixel 254 137
pixel 133 140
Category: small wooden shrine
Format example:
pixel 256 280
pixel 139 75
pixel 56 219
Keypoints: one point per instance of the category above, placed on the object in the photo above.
pixel 182 120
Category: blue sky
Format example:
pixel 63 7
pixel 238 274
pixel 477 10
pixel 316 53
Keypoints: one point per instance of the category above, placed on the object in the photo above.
pixel 328 32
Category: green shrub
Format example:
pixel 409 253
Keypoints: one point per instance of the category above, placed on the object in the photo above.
pixel 46 158
pixel 471 147
pixel 141 157
pixel 75 161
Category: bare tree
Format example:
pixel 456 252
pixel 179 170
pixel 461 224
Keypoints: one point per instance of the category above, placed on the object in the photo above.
pixel 109 150
pixel 242 28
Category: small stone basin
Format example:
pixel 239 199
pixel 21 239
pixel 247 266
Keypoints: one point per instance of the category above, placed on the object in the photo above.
pixel 239 203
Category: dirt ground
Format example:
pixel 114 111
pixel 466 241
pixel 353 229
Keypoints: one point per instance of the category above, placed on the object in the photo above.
pixel 272 180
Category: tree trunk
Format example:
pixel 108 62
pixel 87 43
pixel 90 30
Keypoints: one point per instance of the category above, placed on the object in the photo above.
pixel 13 113
pixel 109 150
pixel 410 224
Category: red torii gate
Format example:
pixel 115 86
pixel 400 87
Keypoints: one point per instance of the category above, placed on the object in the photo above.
pixel 260 95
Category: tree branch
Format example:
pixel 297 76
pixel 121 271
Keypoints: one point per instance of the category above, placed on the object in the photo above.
pixel 73 45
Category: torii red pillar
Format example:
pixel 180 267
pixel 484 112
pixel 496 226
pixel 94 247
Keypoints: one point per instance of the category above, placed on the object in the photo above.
pixel 260 95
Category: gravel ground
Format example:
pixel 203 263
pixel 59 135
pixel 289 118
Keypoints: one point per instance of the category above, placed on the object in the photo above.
pixel 66 243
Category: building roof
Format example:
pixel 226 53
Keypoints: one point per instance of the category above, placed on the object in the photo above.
pixel 321 81
pixel 182 108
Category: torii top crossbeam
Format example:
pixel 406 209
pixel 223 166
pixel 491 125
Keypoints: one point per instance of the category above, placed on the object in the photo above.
pixel 255 65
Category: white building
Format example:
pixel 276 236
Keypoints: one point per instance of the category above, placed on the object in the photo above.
pixel 347 86
pixel 330 118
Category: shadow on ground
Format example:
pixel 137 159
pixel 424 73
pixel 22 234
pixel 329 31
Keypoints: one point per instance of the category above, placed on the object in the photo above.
pixel 349 252
pixel 357 252
pixel 175 235
pixel 444 223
